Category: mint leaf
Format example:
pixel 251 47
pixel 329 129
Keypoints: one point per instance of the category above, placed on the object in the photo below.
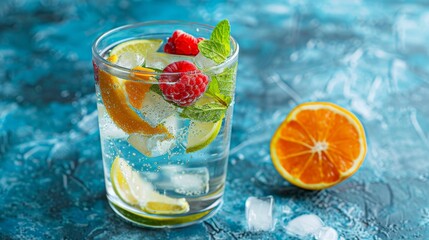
pixel 221 34
pixel 221 86
pixel 213 87
pixel 214 93
pixel 225 80
pixel 225 99
pixel 218 47
pixel 210 112
pixel 213 50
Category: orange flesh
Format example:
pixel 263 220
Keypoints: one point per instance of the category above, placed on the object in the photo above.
pixel 337 139
pixel 136 91
pixel 123 116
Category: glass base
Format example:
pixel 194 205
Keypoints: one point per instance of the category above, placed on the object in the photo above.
pixel 166 221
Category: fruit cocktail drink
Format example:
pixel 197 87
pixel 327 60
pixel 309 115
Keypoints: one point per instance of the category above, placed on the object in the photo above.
pixel 165 95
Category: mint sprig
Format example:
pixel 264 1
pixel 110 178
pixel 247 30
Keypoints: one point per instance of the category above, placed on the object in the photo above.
pixel 221 34
pixel 223 83
pixel 217 48
pixel 213 50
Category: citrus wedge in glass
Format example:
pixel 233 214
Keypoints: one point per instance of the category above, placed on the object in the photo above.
pixel 139 46
pixel 134 190
pixel 201 134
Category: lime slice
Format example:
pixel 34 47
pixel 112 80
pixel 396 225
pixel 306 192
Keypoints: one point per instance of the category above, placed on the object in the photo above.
pixel 132 189
pixel 141 46
pixel 202 134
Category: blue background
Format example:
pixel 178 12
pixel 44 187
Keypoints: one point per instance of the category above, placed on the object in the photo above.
pixel 368 56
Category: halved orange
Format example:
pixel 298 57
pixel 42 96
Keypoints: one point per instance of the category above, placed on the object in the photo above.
pixel 318 145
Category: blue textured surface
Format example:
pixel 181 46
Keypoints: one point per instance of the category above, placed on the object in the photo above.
pixel 368 56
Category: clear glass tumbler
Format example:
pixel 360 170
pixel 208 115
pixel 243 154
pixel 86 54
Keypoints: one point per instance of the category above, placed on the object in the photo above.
pixel 164 164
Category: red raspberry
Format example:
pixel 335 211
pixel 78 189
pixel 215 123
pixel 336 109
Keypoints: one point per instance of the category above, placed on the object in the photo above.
pixel 182 43
pixel 184 88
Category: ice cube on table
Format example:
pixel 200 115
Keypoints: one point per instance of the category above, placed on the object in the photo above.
pixel 259 213
pixel 326 233
pixel 155 109
pixel 304 225
pixel 191 181
pixel 159 60
pixel 108 128
pixel 130 60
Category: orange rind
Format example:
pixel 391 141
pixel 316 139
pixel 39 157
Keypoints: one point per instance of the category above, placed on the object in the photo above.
pixel 115 101
pixel 318 145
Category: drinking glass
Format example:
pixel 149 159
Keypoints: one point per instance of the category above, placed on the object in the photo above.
pixel 162 167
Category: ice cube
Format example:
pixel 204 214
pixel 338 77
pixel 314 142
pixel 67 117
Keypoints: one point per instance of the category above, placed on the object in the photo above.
pixel 159 60
pixel 286 210
pixel 108 128
pixel 130 60
pixel 155 109
pixel 190 181
pixel 150 145
pixel 304 225
pixel 259 213
pixel 156 144
pixel 167 169
pixel 202 62
pixel 184 181
pixel 326 233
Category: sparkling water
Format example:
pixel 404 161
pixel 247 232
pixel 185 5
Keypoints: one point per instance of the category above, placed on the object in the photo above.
pixel 198 177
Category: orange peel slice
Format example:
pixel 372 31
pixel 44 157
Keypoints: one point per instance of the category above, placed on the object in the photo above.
pixel 318 145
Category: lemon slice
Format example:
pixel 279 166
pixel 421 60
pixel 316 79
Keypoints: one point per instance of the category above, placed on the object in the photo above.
pixel 119 173
pixel 140 46
pixel 202 134
pixel 132 189
pixel 161 204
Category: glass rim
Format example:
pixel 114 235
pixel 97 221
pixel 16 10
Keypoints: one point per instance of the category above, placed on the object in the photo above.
pixel 128 71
